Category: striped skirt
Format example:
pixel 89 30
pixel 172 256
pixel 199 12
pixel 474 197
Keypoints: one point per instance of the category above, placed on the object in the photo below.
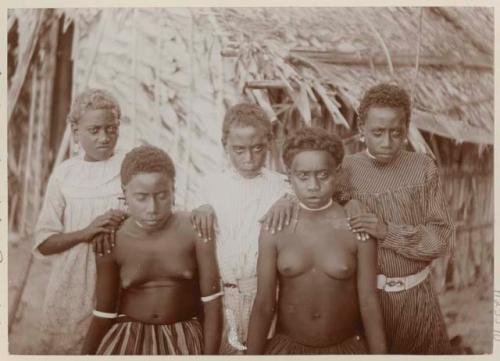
pixel 414 323
pixel 282 344
pixel 129 337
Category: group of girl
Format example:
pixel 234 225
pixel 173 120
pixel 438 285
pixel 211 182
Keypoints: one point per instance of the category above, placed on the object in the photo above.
pixel 265 264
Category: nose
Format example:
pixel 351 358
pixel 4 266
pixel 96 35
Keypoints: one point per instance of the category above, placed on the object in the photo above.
pixel 386 140
pixel 248 156
pixel 312 184
pixel 151 206
pixel 103 137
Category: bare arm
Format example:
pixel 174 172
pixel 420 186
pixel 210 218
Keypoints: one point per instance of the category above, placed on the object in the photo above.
pixel 209 285
pixel 107 291
pixel 265 300
pixel 61 242
pixel 369 304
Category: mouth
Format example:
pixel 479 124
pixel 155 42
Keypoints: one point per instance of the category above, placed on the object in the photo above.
pixel 103 147
pixel 313 199
pixel 385 155
pixel 150 221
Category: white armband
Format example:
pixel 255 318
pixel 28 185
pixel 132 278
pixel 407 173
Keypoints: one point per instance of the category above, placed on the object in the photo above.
pixel 104 314
pixel 212 297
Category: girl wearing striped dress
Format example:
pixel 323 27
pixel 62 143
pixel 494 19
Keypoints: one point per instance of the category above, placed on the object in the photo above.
pixel 149 287
pixel 407 215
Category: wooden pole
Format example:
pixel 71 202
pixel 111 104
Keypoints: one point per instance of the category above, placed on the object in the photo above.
pixel 397 59
pixel 27 175
pixel 22 69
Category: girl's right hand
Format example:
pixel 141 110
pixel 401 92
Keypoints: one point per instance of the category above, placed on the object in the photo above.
pixel 103 243
pixel 105 223
pixel 204 221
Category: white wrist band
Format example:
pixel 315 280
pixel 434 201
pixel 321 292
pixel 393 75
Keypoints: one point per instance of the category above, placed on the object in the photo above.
pixel 212 297
pixel 104 314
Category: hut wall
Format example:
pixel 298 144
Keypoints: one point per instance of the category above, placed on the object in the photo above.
pixel 165 68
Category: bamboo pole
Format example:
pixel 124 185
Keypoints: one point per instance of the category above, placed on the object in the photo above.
pixel 414 89
pixel 22 69
pixel 398 59
pixel 192 91
pixel 157 80
pixel 48 71
pixel 63 148
pixel 134 71
pixel 31 122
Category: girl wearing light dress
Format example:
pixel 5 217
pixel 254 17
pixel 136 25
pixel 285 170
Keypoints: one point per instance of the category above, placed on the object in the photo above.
pixel 78 216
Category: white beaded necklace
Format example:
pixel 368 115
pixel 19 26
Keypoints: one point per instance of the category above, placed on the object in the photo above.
pixel 326 206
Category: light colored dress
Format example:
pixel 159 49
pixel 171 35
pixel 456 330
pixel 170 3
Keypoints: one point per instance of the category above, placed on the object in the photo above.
pixel 239 204
pixel 77 192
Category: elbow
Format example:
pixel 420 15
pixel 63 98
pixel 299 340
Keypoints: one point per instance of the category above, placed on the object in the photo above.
pixel 44 249
pixel 264 308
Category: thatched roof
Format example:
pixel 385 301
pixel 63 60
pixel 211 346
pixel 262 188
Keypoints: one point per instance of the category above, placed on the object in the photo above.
pixel 176 70
pixel 454 100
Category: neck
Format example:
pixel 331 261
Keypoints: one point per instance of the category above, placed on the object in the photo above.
pixel 370 155
pixel 147 229
pixel 326 206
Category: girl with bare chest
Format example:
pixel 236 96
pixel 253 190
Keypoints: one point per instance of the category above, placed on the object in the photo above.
pixel 327 300
pixel 150 286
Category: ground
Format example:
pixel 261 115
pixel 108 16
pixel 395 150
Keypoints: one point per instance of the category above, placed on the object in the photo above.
pixel 468 312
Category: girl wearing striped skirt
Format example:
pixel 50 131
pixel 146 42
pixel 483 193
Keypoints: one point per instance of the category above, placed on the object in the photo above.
pixel 327 300
pixel 408 218
pixel 151 285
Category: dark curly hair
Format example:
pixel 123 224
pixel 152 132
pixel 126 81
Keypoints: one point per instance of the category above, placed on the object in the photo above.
pixel 385 95
pixel 146 159
pixel 312 138
pixel 93 99
pixel 246 114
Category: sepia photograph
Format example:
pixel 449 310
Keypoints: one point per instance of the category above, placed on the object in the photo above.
pixel 250 180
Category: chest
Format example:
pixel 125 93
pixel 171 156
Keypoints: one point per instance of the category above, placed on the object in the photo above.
pixel 326 250
pixel 155 259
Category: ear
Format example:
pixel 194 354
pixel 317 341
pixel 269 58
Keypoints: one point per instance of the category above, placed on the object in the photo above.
pixel 173 195
pixel 74 131
pixel 361 127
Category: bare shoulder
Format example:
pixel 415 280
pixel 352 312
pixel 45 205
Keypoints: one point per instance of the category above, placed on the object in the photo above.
pixel 267 237
pixel 181 223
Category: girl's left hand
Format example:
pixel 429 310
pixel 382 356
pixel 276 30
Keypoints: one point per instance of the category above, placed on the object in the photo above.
pixel 280 215
pixel 369 223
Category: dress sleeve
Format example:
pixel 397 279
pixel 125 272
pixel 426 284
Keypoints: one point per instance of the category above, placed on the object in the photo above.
pixel 50 220
pixel 430 240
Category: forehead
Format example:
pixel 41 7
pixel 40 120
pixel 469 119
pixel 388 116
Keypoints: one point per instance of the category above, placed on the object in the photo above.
pixel 312 160
pixel 246 135
pixel 385 117
pixel 98 117
pixel 147 182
